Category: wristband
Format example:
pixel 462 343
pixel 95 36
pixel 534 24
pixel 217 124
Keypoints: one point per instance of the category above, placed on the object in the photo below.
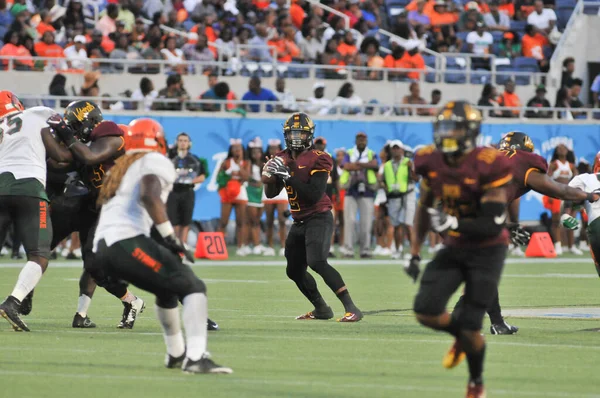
pixel 165 229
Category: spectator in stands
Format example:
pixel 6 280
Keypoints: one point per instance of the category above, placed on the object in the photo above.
pixel 488 98
pixel 507 7
pixel 219 93
pixel 123 50
pixel 174 55
pixel 568 68
pixel 533 44
pixel 563 100
pixel 76 54
pixel 347 48
pixel 202 8
pixel 21 24
pixel 127 13
pixel 48 48
pixel 332 57
pixel 57 87
pixel 226 44
pixel 401 26
pixel 436 97
pixel 14 47
pixel 442 18
pixel 90 87
pixel 509 99
pixel 369 49
pixel 496 19
pixel 45 24
pixel 174 90
pixel 172 21
pixel 311 44
pixel 100 42
pixel 471 18
pixel 318 104
pixel 108 23
pixel 153 32
pixel 346 101
pixel 414 98
pixel 509 48
pixel 480 42
pixel 284 96
pixel 412 59
pixel 257 93
pixel 6 18
pixel 419 17
pixel 199 52
pixel 145 94
pixel 523 9
pixel 360 181
pixel 395 61
pixel 336 26
pixel 575 91
pixel 539 101
pixel 595 90
pixel 284 46
pixel 544 19
pixel 260 48
pixel 74 14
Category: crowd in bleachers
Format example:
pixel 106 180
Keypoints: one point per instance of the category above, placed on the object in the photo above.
pixel 242 32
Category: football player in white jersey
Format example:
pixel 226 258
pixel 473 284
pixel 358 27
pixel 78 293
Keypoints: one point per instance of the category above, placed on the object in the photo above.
pixel 133 199
pixel 25 144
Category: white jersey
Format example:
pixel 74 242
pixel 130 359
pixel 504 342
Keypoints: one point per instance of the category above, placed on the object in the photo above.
pixel 588 183
pixel 124 216
pixel 22 150
pixel 563 170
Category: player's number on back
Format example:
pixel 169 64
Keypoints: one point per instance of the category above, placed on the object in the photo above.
pixel 292 198
pixel 14 124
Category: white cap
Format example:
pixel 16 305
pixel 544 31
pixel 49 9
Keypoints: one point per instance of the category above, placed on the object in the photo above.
pixel 397 143
pixel 472 5
pixel 80 39
pixel 318 85
pixel 411 44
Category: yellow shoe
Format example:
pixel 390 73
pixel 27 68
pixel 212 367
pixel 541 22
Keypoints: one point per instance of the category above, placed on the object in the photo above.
pixel 454 356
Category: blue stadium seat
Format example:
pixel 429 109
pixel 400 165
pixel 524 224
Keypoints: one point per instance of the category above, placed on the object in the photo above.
pixel 591 9
pixel 396 3
pixel 188 25
pixel 518 26
pixel 480 76
pixel 525 64
pixel 503 74
pixel 497 35
pixel 565 3
pixel 462 35
pixel 495 48
pixel 562 15
pixel 455 74
pixel 430 77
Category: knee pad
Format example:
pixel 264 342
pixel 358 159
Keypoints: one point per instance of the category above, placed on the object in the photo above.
pixel 167 302
pixel 471 316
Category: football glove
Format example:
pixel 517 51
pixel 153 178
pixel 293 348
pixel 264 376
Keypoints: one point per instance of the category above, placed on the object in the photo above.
pixel 518 235
pixel 176 246
pixel 412 268
pixel 61 129
pixel 440 221
pixel 569 222
pixel 280 169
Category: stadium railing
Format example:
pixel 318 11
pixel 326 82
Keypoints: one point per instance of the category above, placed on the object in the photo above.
pixel 455 68
pixel 366 110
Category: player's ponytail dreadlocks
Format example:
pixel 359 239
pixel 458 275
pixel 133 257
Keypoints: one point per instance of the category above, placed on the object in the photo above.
pixel 115 175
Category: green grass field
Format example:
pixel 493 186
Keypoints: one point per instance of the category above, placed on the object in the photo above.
pixel 386 355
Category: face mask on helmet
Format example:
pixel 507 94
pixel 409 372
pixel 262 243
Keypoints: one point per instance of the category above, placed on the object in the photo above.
pixel 83 117
pixel 297 139
pixel 516 140
pixel 453 138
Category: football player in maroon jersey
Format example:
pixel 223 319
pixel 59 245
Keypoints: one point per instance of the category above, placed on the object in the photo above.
pixel 304 171
pixel 464 198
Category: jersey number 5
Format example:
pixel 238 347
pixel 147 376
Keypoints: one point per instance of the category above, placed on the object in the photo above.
pixel 14 123
pixel 292 198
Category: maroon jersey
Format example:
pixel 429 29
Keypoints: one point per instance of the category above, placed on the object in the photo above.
pixel 460 188
pixel 94 175
pixel 303 167
pixel 522 163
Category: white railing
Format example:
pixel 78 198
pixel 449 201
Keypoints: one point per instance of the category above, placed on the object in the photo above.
pixel 403 41
pixel 390 110
pixel 345 17
pixel 350 72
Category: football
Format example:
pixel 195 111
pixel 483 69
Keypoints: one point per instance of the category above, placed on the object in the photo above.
pixel 266 179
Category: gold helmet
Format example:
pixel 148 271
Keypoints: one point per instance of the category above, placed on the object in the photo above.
pixel 516 140
pixel 456 127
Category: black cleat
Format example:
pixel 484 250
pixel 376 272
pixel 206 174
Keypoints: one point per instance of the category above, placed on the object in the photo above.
pixel 211 325
pixel 9 310
pixel 72 256
pixel 82 323
pixel 27 304
pixel 204 365
pixel 130 313
pixel 172 362
pixel 331 255
pixel 366 255
pixel 53 255
pixel 503 328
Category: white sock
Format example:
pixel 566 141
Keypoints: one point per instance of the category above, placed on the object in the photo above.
pixel 128 297
pixel 195 314
pixel 28 279
pixel 83 305
pixel 557 245
pixel 169 320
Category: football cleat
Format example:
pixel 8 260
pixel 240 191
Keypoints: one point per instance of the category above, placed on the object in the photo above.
pixel 323 314
pixel 130 313
pixel 454 356
pixel 475 391
pixel 82 323
pixel 351 316
pixel 27 304
pixel 9 310
pixel 503 328
pixel 204 365
pixel 211 325
pixel 172 362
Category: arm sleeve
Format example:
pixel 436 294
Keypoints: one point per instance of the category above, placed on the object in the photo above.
pixel 488 223
pixel 314 190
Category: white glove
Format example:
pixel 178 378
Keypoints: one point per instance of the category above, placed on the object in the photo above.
pixel 440 221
